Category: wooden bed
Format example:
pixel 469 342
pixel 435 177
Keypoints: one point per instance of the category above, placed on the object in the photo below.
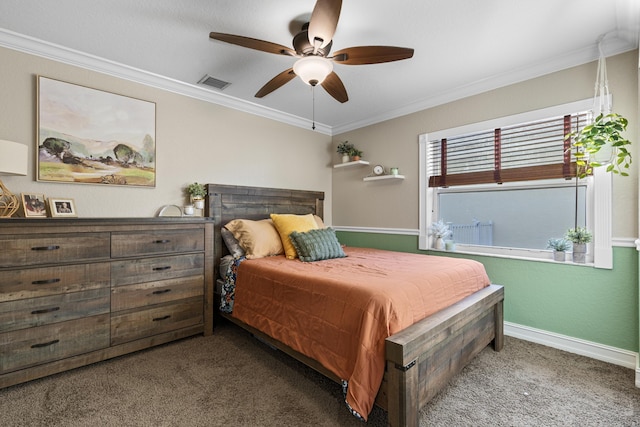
pixel 421 359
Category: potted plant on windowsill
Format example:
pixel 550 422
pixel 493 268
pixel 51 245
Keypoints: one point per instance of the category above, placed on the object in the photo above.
pixel 559 246
pixel 580 236
pixel 345 148
pixel 197 192
pixel 440 231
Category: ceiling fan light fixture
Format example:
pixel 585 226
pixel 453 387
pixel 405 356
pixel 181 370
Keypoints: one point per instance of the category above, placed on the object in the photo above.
pixel 313 69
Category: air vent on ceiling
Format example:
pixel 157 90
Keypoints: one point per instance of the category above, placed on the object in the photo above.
pixel 213 82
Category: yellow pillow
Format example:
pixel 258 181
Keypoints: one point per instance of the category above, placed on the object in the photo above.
pixel 288 223
pixel 258 238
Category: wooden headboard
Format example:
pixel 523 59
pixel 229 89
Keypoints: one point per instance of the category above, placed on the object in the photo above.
pixel 227 202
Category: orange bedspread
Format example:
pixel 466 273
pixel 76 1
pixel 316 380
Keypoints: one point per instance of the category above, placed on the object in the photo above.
pixel 339 312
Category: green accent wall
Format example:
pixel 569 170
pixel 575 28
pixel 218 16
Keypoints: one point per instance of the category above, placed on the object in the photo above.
pixel 583 302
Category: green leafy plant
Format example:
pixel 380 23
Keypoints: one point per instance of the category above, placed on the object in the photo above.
pixel 345 148
pixel 559 244
pixel 355 153
pixel 606 130
pixel 579 235
pixel 439 229
pixel 196 190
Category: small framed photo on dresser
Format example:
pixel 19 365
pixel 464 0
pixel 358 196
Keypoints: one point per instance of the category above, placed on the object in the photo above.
pixel 33 205
pixel 62 208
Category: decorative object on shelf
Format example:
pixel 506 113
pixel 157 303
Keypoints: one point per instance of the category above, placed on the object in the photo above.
pixel 450 245
pixel 170 210
pixel 440 231
pixel 345 148
pixel 62 208
pixel 14 159
pixel 356 154
pixel 580 236
pixel 34 205
pixel 197 192
pixel 94 137
pixel 378 170
pixel 395 171
pixel 189 210
pixel 559 246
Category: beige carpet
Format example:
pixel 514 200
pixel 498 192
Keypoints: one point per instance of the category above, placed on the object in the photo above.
pixel 230 379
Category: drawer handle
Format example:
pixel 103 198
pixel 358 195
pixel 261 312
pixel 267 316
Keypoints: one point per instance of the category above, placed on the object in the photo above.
pixel 45 282
pixel 157 319
pixel 164 291
pixel 45 344
pixel 45 248
pixel 168 267
pixel 162 241
pixel 45 310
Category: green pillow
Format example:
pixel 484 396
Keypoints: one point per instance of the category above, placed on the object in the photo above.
pixel 317 245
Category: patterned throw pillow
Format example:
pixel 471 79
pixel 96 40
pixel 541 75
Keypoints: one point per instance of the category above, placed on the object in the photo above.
pixel 317 245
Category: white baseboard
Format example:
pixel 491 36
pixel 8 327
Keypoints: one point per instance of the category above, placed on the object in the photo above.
pixel 616 356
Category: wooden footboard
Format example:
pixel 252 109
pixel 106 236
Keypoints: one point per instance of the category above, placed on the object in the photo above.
pixel 424 357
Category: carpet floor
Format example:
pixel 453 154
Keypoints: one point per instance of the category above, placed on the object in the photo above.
pixel 231 379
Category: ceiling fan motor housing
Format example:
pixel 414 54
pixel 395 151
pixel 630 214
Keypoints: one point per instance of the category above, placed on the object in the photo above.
pixel 304 48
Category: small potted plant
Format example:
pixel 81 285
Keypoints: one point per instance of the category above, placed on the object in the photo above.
pixel 559 246
pixel 197 192
pixel 580 236
pixel 356 154
pixel 440 231
pixel 345 148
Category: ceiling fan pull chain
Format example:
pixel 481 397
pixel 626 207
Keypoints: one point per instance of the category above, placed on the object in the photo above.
pixel 313 107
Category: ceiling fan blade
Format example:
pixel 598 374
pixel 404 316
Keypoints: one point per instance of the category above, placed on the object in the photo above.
pixel 256 44
pixel 323 23
pixel 280 80
pixel 371 54
pixel 334 87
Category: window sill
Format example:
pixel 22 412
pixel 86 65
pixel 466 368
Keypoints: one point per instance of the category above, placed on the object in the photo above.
pixel 517 254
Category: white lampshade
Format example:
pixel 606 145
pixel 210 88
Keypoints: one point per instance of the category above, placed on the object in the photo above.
pixel 14 158
pixel 313 69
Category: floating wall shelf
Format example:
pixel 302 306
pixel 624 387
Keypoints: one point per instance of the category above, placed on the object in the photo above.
pixel 378 178
pixel 356 163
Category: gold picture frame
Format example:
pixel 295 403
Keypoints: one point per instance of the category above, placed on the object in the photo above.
pixel 33 205
pixel 62 208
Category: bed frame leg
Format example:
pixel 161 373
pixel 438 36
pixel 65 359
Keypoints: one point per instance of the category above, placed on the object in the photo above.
pixel 498 341
pixel 403 394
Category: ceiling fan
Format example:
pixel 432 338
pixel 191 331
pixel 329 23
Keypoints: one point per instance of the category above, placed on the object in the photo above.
pixel 312 46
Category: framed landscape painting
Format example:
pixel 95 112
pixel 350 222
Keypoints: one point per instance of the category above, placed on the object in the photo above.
pixel 90 136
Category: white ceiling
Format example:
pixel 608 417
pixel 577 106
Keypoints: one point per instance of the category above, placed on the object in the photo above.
pixel 462 47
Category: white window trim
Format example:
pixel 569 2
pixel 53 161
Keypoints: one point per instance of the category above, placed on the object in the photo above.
pixel 599 199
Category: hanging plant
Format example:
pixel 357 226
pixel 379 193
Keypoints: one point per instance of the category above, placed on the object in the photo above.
pixel 605 131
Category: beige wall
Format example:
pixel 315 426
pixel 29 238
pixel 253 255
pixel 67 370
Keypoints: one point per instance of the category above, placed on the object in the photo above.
pixel 196 141
pixel 394 204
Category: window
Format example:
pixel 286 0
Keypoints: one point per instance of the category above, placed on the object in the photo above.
pixel 508 185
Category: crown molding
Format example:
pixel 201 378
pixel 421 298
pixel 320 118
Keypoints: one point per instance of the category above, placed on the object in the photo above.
pixel 44 49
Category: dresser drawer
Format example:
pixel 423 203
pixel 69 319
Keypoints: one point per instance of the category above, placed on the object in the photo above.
pixel 53 248
pixel 28 347
pixel 45 281
pixel 28 313
pixel 150 293
pixel 156 242
pixel 160 268
pixel 135 324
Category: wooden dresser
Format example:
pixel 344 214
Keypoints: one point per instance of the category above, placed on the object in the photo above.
pixel 78 291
